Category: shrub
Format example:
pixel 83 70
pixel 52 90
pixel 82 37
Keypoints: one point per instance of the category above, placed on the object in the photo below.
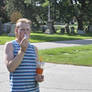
pixel 15 16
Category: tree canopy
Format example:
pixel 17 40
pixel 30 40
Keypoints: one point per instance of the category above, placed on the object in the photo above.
pixel 60 10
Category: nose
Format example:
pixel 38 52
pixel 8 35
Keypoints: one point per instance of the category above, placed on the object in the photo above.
pixel 25 32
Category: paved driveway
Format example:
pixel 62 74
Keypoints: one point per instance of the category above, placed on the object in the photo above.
pixel 58 77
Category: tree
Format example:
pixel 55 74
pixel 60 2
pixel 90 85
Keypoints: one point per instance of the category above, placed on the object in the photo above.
pixel 15 5
pixel 65 11
pixel 28 8
pixel 42 7
pixel 84 12
pixel 3 15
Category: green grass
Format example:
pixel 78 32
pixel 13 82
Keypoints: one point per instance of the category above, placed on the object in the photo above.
pixel 41 37
pixel 79 55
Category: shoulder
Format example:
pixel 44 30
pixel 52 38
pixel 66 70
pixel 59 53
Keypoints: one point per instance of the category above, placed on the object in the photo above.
pixel 35 48
pixel 8 45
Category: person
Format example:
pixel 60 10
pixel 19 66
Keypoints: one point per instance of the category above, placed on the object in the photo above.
pixel 21 60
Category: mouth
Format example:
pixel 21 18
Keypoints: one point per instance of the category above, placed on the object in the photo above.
pixel 25 36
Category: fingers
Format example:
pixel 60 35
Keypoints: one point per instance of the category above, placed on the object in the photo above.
pixel 39 78
pixel 24 44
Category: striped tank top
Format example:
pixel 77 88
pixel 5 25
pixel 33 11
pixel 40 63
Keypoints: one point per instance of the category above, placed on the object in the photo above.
pixel 23 78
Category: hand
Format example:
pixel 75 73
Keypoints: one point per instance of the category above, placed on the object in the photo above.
pixel 39 78
pixel 24 45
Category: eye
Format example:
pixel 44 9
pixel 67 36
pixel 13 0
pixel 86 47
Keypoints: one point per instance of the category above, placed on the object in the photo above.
pixel 27 29
pixel 22 29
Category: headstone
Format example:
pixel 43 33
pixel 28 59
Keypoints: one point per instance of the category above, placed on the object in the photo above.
pixel 47 31
pixel 12 30
pixel 90 28
pixel 72 30
pixel 50 29
pixel 5 28
pixel 44 27
pixel 0 27
pixel 62 30
pixel 80 32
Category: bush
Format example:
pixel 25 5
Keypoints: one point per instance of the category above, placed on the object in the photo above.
pixel 15 16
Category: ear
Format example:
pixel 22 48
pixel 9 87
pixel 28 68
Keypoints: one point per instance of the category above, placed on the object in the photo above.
pixel 16 30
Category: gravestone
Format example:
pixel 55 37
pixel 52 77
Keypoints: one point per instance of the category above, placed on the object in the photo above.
pixel 47 31
pixel 72 30
pixel 80 32
pixel 44 27
pixel 62 30
pixel 90 28
pixel 50 29
pixel 0 27
pixel 12 30
pixel 6 27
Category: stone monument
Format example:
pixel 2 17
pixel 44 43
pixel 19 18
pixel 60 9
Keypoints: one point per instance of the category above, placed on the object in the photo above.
pixel 49 30
pixel 80 32
pixel 0 27
pixel 6 27
pixel 12 30
pixel 90 28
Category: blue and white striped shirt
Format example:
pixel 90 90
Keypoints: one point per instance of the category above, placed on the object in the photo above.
pixel 23 78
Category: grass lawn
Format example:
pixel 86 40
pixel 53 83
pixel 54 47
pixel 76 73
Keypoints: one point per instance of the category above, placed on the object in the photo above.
pixel 79 55
pixel 41 37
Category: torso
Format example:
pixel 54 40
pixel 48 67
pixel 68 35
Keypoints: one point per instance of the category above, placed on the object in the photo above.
pixel 23 78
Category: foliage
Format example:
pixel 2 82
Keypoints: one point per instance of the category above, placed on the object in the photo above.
pixel 15 16
pixel 65 11
pixel 15 5
pixel 60 10
pixel 3 14
pixel 40 37
pixel 84 12
pixel 45 4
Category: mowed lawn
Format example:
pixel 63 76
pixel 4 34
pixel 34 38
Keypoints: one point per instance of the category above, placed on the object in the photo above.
pixel 41 37
pixel 78 55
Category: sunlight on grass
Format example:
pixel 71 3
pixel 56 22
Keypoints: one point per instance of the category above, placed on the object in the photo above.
pixel 79 55
pixel 41 37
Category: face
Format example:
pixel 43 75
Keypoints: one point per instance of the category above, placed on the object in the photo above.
pixel 22 30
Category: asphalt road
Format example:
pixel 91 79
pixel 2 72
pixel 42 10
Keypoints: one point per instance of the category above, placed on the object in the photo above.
pixel 58 77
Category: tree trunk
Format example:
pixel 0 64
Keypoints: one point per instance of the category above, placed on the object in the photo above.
pixel 67 28
pixel 80 23
pixel 51 27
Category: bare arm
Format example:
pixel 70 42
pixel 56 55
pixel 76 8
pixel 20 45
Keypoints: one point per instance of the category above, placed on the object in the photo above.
pixel 11 62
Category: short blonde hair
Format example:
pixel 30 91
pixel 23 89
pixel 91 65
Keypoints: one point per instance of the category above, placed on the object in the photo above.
pixel 23 20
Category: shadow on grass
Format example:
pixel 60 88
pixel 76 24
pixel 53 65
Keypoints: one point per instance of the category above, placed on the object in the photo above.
pixel 68 39
pixel 87 35
pixel 50 38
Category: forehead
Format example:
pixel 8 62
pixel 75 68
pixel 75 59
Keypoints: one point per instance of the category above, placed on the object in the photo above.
pixel 23 25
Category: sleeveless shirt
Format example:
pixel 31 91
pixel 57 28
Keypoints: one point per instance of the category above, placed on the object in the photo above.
pixel 23 78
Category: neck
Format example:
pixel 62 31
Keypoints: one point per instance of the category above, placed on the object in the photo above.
pixel 18 40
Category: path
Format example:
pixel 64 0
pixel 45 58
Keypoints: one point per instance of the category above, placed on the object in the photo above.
pixel 58 77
